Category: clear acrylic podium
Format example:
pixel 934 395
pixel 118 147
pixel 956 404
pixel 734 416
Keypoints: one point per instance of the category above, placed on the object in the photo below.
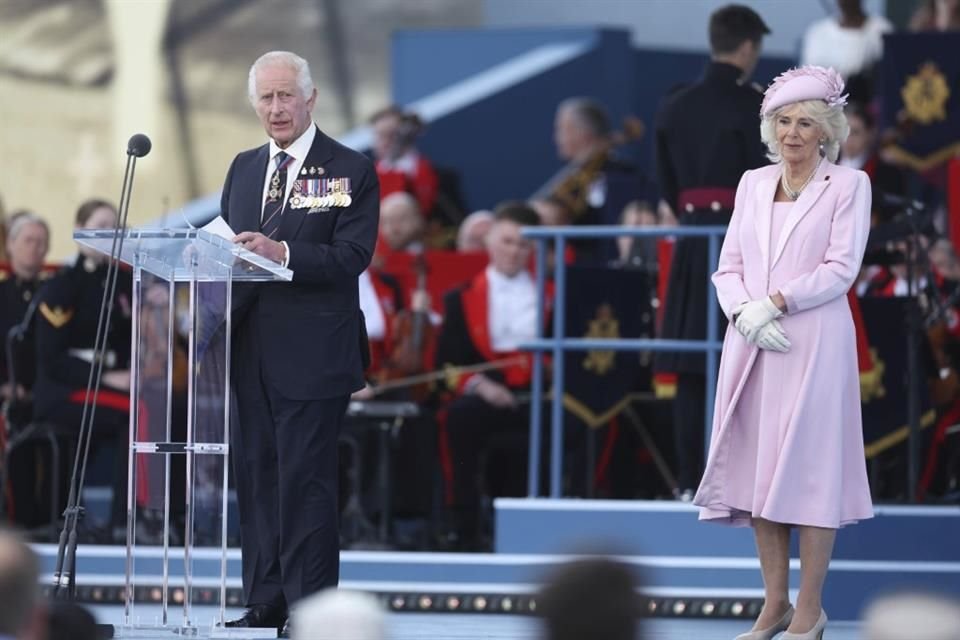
pixel 176 555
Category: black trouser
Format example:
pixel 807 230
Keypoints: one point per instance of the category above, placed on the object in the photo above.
pixel 285 468
pixel 689 413
pixel 479 433
pixel 110 425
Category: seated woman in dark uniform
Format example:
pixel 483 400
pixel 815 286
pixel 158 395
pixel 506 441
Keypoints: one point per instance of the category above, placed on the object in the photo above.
pixel 65 334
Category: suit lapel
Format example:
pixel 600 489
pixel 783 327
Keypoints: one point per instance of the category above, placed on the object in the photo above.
pixel 761 222
pixel 800 208
pixel 251 190
pixel 321 151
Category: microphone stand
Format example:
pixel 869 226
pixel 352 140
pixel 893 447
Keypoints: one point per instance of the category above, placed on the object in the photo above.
pixel 64 583
pixel 914 323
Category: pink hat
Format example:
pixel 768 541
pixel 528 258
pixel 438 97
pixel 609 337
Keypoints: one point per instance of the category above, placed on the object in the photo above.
pixel 804 83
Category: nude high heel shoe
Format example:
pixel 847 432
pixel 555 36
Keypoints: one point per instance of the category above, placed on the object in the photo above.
pixel 770 632
pixel 814 634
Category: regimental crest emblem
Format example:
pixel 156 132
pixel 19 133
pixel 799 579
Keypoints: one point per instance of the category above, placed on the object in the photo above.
pixel 925 94
pixel 604 325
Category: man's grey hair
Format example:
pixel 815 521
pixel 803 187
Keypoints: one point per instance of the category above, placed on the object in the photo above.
pixel 21 220
pixel 589 114
pixel 19 587
pixel 280 58
pixel 832 121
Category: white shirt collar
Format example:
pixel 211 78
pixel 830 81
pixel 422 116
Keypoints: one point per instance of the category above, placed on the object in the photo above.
pixel 500 280
pixel 300 147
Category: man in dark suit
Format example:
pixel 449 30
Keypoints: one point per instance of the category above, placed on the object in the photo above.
pixel 310 204
pixel 707 135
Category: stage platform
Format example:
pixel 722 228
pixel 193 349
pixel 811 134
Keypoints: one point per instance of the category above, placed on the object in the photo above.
pixel 701 580
pixel 467 626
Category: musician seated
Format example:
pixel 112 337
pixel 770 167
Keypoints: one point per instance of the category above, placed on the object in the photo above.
pixel 401 168
pixel 401 226
pixel 66 330
pixel 596 184
pixel 484 322
pixel 26 246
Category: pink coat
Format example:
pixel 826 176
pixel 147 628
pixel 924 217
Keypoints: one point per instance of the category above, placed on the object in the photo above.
pixel 794 454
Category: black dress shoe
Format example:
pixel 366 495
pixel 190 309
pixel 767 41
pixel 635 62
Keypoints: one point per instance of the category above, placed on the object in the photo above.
pixel 260 615
pixel 285 631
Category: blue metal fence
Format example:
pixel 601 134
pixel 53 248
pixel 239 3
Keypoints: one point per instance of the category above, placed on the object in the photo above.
pixel 559 343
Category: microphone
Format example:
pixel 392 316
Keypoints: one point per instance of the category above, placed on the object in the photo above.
pixel 65 571
pixel 139 145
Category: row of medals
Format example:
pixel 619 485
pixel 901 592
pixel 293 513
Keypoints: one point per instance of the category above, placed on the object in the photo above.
pixel 311 193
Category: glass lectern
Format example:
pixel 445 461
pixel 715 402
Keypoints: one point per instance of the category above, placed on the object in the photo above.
pixel 180 425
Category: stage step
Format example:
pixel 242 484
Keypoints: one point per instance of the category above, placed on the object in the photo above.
pixel 660 528
pixel 903 547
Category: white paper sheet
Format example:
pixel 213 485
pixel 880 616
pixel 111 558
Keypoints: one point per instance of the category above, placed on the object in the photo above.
pixel 219 227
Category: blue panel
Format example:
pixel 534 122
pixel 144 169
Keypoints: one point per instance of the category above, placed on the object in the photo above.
pixel 926 534
pixel 425 62
pixel 503 146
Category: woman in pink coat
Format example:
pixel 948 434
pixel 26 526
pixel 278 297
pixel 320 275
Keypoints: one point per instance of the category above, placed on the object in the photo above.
pixel 787 444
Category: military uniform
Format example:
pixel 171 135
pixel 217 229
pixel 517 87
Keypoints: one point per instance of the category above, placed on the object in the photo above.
pixel 66 329
pixel 25 471
pixel 16 294
pixel 707 136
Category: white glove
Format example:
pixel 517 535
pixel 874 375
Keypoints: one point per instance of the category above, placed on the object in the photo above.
pixel 772 337
pixel 754 315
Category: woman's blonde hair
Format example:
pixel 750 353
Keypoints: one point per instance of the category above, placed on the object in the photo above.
pixel 831 120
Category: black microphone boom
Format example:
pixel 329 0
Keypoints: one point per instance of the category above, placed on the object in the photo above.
pixel 139 145
pixel 64 575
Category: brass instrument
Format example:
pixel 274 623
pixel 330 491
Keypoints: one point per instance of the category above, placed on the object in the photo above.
pixel 572 187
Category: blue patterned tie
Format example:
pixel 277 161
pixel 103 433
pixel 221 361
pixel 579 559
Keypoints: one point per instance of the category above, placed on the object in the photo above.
pixel 273 208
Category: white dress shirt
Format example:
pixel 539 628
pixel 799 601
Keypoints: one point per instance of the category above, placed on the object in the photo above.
pixel 298 150
pixel 513 309
pixel 376 322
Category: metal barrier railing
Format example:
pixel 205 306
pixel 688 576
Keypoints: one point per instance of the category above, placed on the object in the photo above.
pixel 559 343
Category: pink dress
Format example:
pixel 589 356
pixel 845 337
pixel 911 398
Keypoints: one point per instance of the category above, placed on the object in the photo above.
pixel 787 442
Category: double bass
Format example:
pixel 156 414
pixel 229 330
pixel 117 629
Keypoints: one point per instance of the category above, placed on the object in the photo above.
pixel 412 333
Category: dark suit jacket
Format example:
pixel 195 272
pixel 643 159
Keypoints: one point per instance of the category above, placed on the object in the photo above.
pixel 310 331
pixel 708 134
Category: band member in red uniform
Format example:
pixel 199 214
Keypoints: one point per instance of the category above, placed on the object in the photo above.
pixel 400 166
pixel 485 321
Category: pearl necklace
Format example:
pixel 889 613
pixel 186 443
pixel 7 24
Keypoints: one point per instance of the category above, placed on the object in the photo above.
pixel 793 195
